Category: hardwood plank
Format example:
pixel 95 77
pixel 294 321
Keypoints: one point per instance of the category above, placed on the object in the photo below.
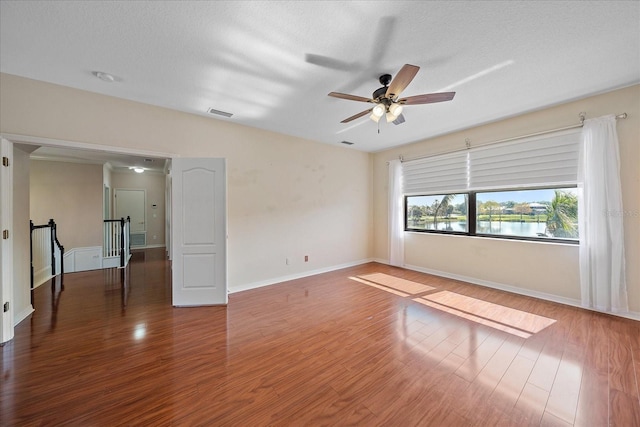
pixel 545 369
pixel 506 393
pixel 563 398
pixel 625 409
pixel 593 402
pixel 531 403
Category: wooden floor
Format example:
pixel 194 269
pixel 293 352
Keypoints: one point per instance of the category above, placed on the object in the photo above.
pixel 370 345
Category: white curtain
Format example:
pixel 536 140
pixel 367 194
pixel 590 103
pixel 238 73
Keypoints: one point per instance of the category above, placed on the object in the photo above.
pixel 396 214
pixel 600 213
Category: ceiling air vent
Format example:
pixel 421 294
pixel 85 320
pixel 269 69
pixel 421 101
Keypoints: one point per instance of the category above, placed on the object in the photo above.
pixel 346 142
pixel 218 112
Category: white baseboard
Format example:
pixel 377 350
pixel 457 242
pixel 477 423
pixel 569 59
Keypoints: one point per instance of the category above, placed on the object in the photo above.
pixel 110 262
pixel 281 279
pixel 41 276
pixel 520 291
pixel 19 317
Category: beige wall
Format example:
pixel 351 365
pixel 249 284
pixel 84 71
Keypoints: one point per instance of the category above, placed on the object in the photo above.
pixel 154 186
pixel 71 194
pixel 536 267
pixel 287 197
pixel 21 231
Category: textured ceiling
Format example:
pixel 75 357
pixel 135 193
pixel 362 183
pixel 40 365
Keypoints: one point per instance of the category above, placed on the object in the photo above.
pixel 273 63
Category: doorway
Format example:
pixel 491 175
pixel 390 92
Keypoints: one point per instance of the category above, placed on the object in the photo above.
pixel 132 203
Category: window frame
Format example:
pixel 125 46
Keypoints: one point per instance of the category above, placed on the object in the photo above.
pixel 472 216
pixel 406 217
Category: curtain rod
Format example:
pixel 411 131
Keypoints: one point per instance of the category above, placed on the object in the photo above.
pixel 544 132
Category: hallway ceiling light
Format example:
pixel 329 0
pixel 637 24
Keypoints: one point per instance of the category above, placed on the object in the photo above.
pixel 137 170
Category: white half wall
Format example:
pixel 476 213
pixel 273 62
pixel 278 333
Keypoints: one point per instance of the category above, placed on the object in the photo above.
pixel 82 259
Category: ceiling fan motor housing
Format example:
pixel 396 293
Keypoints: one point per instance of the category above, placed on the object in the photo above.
pixel 385 79
pixel 381 93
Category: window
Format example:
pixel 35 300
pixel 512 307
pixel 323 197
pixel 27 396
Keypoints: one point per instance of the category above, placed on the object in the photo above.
pixel 443 212
pixel 523 189
pixel 540 213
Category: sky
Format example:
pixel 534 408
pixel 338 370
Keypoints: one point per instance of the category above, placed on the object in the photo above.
pixel 500 196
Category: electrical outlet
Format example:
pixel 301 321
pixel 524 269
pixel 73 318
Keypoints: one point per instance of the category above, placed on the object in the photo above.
pixel 286 260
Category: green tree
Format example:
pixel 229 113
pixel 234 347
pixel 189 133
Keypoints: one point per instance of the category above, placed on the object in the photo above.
pixel 462 208
pixel 522 209
pixel 562 215
pixel 490 207
pixel 415 212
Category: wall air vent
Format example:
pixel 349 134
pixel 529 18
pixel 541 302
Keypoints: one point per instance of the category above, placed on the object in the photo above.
pixel 218 112
pixel 346 142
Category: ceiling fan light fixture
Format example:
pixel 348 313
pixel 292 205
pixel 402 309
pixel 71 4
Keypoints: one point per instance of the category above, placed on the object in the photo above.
pixel 378 110
pixel 391 117
pixel 395 109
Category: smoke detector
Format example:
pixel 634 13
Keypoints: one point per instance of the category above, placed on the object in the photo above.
pixel 105 77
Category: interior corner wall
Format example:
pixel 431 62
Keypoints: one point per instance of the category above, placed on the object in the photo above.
pixel 21 231
pixel 71 195
pixel 106 182
pixel 537 268
pixel 287 197
pixel 154 186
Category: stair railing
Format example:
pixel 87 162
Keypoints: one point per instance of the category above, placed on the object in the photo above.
pixel 117 239
pixel 46 254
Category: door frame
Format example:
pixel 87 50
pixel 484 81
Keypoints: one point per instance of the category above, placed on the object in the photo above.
pixel 6 246
pixel 7 188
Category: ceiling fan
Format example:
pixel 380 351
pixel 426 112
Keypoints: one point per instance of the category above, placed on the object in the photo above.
pixel 386 98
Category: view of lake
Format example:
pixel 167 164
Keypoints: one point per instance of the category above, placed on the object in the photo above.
pixel 525 229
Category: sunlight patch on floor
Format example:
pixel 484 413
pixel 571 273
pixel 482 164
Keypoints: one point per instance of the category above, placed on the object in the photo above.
pixel 384 288
pixel 515 322
pixel 402 285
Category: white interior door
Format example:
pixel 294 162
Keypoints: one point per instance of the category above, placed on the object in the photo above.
pixel 199 231
pixel 131 203
pixel 6 251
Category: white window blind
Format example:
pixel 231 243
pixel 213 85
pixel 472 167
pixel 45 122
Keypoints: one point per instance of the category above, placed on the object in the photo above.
pixel 539 161
pixel 435 174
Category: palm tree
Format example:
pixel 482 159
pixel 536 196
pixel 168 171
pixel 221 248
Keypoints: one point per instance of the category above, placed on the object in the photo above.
pixel 441 207
pixel 562 215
